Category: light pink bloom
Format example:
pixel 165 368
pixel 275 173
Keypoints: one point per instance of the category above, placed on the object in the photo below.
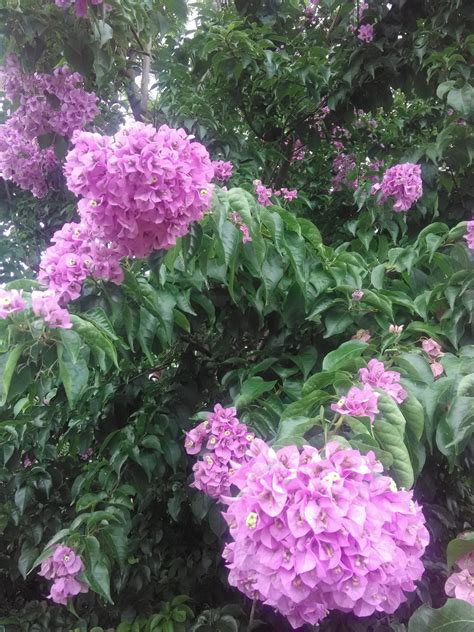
pixel 11 301
pixel 289 195
pixel 46 305
pixel 223 443
pixel 362 334
pixel 65 587
pixel 460 584
pixel 222 170
pixel 432 348
pixel 395 329
pixel 358 403
pixel 245 233
pixel 141 188
pixel 469 236
pixel 357 295
pixel 312 532
pixel 376 376
pixel 263 193
pixel 366 33
pixel 437 369
pixel 402 183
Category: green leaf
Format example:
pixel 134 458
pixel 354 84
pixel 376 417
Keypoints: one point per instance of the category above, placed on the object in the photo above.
pixel 96 573
pixel 344 355
pixel 8 364
pixel 389 430
pixel 94 337
pixel 460 546
pixel 114 541
pixel 328 378
pixel 455 429
pixel 251 389
pixel 455 616
pixel 377 276
pixel 306 406
pixel 291 431
pixel 414 414
pixel 415 367
pixel 462 100
pixel 27 558
pixel 72 367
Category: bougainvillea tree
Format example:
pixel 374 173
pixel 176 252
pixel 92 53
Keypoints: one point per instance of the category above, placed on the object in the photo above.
pixel 236 315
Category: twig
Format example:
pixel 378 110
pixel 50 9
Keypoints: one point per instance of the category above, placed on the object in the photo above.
pixel 145 77
pixel 252 615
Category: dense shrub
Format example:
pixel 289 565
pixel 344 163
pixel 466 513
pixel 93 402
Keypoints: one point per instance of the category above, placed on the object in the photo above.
pixel 282 235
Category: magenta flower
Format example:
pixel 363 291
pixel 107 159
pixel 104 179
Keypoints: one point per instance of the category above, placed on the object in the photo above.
pixel 402 183
pixel 11 301
pixel 65 587
pixel 66 562
pixel 460 584
pixel 313 532
pixel 289 195
pixel 358 403
pixel 62 564
pixel 357 295
pixel 344 166
pixel 437 369
pixel 141 188
pixel 245 233
pixel 432 348
pixel 223 443
pixel 46 305
pixel 48 104
pixel 80 6
pixel 376 376
pixel 469 236
pixel 222 170
pixel 263 193
pixel 244 229
pixel 75 255
pixel 366 33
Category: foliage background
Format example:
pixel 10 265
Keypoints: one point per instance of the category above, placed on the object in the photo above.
pixel 265 325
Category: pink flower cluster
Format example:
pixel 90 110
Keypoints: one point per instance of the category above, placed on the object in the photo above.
pixel 74 256
pixel 48 104
pixel 244 229
pixel 80 6
pixel 358 403
pixel 23 162
pixel 298 150
pixel 344 166
pixel 141 188
pixel 460 584
pixel 11 301
pixel 264 193
pixel 312 533
pixel 364 402
pixel 46 305
pixel 63 566
pixel 469 236
pixel 222 442
pixel 222 170
pixel 433 351
pixel 376 376
pixel 366 33
pixel 403 183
